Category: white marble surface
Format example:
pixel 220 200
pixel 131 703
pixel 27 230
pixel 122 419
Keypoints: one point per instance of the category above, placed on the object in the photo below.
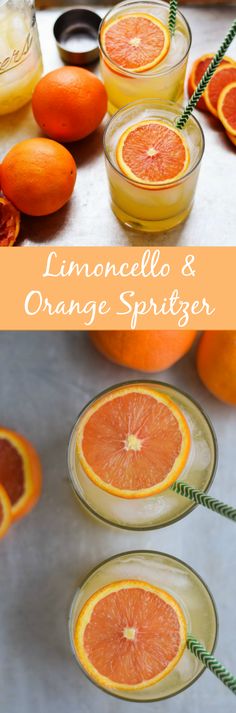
pixel 45 380
pixel 88 219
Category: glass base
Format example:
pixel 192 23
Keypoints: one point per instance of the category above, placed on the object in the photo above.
pixel 149 226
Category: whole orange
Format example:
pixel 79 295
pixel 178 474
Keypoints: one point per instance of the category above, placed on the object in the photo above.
pixel 146 350
pixel 216 364
pixel 69 103
pixel 38 176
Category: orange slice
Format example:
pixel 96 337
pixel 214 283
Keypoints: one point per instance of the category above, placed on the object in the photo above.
pixel 9 223
pixel 5 512
pixel 152 152
pixel 133 442
pixel 20 472
pixel 129 635
pixel 199 67
pixel 223 76
pixel 226 108
pixel 136 42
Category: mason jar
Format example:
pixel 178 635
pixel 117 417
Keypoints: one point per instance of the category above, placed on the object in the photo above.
pixel 20 54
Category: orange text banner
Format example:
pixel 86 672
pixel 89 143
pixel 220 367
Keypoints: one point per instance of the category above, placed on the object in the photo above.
pixel 117 288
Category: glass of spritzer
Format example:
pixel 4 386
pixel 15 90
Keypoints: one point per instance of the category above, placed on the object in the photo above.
pixel 130 444
pixel 152 166
pixel 139 57
pixel 129 623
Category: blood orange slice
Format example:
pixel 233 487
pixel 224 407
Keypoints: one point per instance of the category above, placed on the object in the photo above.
pixel 152 152
pixel 222 77
pixel 199 68
pixel 133 442
pixel 136 42
pixel 226 108
pixel 5 512
pixel 129 635
pixel 20 472
pixel 9 223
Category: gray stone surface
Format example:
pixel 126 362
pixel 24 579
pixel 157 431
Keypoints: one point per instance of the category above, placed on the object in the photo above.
pixel 88 219
pixel 45 379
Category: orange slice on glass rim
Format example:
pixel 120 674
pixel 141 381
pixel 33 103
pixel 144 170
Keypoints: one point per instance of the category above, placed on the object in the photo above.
pixel 133 442
pixel 199 68
pixel 226 108
pixel 223 76
pixel 129 635
pixel 152 152
pixel 136 42
pixel 5 512
pixel 20 472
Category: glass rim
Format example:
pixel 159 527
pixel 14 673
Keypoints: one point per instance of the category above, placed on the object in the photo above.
pixel 144 528
pixel 163 103
pixel 146 75
pixel 169 557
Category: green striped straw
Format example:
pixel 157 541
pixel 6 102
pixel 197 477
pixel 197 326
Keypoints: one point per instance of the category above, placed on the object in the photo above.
pixel 182 120
pixel 210 662
pixel 201 498
pixel 172 16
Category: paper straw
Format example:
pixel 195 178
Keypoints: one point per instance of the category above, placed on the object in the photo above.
pixel 202 499
pixel 172 15
pixel 210 662
pixel 182 120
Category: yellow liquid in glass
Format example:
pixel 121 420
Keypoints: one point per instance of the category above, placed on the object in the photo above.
pixel 157 510
pixel 166 80
pixel 162 207
pixel 184 585
pixel 20 60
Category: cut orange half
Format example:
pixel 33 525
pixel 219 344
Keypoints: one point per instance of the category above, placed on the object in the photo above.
pixel 129 635
pixel 136 42
pixel 226 108
pixel 223 76
pixel 20 472
pixel 133 442
pixel 199 68
pixel 152 152
pixel 5 512
pixel 9 223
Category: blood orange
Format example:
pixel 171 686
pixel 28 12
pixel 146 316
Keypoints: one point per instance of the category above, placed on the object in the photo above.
pixel 152 152
pixel 147 350
pixel 199 68
pixel 5 512
pixel 38 176
pixel 129 635
pixel 20 472
pixel 226 108
pixel 9 223
pixel 133 442
pixel 222 77
pixel 136 42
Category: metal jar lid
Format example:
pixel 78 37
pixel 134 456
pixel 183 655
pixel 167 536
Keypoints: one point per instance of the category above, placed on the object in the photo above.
pixel 76 35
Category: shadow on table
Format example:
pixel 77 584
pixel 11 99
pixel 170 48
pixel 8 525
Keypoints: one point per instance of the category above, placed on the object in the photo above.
pixel 44 229
pixel 89 149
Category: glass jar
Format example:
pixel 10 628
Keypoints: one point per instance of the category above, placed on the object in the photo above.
pixel 20 54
